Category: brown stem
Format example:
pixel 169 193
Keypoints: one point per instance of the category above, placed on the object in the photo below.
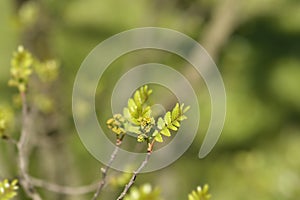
pixel 132 180
pixel 105 170
pixel 22 153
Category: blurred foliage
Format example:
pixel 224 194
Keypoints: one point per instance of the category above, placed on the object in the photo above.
pixel 8 189
pixel 3 123
pixel 200 193
pixel 47 71
pixel 259 62
pixel 6 121
pixel 121 180
pixel 144 192
pixel 21 69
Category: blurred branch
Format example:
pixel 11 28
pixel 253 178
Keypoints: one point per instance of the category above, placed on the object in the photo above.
pixel 68 190
pixel 132 180
pixel 224 21
pixel 23 153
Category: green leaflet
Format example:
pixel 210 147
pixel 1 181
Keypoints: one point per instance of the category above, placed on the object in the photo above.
pixel 137 107
pixel 171 120
pixel 157 136
pixel 176 112
pixel 166 132
pixel 168 118
pixel 160 123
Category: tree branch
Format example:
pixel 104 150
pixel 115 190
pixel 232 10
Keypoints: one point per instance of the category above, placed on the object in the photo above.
pixel 105 170
pixel 68 190
pixel 22 153
pixel 132 180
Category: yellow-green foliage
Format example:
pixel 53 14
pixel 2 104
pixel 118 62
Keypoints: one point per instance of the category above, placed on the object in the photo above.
pixel 137 119
pixel 8 189
pixel 200 194
pixel 116 124
pixel 47 71
pixel 6 117
pixel 3 123
pixel 120 181
pixel 171 121
pixel 21 69
pixel 137 109
pixel 22 66
pixel 44 103
pixel 144 192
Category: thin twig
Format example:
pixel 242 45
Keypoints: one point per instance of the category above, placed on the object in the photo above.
pixel 68 190
pixel 10 140
pixel 22 153
pixel 135 173
pixel 105 170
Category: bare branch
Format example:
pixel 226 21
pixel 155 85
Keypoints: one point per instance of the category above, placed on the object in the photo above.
pixel 68 190
pixel 132 180
pixel 105 170
pixel 22 153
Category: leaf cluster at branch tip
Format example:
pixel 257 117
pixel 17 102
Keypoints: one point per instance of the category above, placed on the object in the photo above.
pixel 21 69
pixel 137 119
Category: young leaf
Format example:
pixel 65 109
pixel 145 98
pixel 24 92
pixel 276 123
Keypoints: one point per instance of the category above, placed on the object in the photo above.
pixel 168 118
pixel 165 131
pixel 131 105
pixel 173 128
pixel 176 123
pixel 186 109
pixel 137 98
pixel 182 117
pixel 175 112
pixel 126 113
pixel 158 137
pixel 160 123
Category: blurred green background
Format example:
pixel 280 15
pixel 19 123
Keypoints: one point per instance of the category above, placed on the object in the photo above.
pixel 255 44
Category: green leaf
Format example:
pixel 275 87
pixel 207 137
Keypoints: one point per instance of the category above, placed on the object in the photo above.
pixel 137 98
pixel 182 117
pixel 131 105
pixel 146 112
pixel 158 137
pixel 186 109
pixel 173 128
pixel 176 123
pixel 155 133
pixel 126 113
pixel 160 123
pixel 175 112
pixel 133 129
pixel 165 131
pixel 167 118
